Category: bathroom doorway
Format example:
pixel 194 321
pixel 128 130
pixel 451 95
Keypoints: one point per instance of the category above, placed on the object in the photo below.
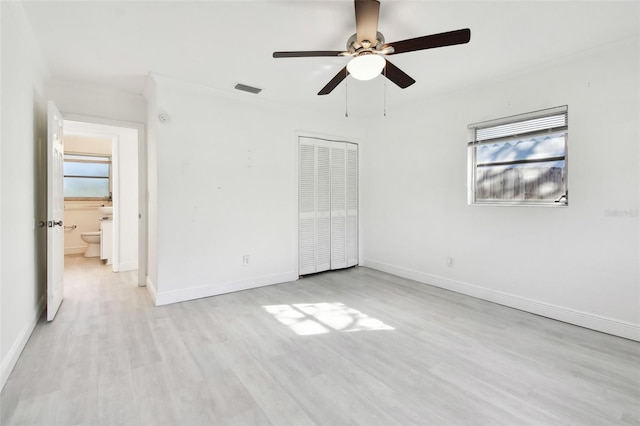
pixel 105 195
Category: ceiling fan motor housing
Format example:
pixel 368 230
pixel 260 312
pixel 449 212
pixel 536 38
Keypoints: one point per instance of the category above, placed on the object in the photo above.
pixel 354 47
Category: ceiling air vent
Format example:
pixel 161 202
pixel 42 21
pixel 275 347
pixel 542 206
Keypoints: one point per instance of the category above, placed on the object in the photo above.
pixel 246 88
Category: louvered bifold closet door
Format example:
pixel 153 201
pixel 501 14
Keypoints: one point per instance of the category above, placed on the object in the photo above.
pixel 314 222
pixel 307 207
pixel 352 204
pixel 328 205
pixel 338 205
pixel 323 206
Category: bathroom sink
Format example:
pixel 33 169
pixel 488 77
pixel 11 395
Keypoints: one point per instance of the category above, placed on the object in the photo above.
pixel 108 210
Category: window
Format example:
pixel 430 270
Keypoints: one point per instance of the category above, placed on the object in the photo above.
pixel 520 160
pixel 87 176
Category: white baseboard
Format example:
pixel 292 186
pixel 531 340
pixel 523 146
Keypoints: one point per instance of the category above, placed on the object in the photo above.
pixel 165 298
pixel 151 288
pixel 583 319
pixel 16 349
pixel 127 266
pixel 75 250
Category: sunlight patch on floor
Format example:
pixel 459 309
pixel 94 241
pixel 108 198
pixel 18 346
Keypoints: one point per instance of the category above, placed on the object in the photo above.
pixel 320 318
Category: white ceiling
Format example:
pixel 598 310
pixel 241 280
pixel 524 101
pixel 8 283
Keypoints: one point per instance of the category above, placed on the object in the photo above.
pixel 218 43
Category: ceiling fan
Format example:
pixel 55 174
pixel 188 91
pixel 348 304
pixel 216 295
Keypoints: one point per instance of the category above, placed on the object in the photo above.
pixel 368 49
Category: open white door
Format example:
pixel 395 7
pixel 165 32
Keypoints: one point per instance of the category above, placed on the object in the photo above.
pixel 55 211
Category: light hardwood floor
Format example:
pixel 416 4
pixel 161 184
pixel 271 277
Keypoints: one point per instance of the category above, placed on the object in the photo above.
pixel 342 348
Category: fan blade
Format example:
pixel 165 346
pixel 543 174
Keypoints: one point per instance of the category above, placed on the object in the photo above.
pixel 431 41
pixel 367 12
pixel 305 54
pixel 399 77
pixel 342 74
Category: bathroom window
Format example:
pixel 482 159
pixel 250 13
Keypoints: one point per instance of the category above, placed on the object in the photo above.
pixel 520 160
pixel 87 177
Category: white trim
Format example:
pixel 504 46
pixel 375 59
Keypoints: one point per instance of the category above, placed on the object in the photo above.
pixel 208 290
pixel 301 133
pixel 151 288
pixel 16 349
pixel 572 316
pixel 127 266
pixel 37 212
pixel 114 256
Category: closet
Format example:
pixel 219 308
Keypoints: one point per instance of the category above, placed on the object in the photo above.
pixel 327 205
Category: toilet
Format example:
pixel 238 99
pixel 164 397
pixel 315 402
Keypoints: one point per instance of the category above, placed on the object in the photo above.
pixel 93 241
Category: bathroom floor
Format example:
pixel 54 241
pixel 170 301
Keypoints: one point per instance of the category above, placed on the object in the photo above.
pixel 75 262
pixel 80 271
pixel 90 280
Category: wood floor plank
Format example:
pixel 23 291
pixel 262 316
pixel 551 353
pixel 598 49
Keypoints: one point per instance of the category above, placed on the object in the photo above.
pixel 351 347
pixel 153 397
pixel 277 404
pixel 117 401
pixel 36 409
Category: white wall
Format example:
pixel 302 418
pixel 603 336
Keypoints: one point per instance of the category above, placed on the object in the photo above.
pixel 125 200
pixel 226 187
pixel 88 100
pixel 578 264
pixel 23 136
pixel 152 186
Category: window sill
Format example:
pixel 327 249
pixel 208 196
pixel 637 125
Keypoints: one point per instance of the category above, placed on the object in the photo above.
pixel 106 200
pixel 519 204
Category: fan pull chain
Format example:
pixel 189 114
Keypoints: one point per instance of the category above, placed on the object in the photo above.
pixel 384 106
pixel 346 93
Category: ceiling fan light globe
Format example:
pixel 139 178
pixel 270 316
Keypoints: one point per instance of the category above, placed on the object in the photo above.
pixel 366 67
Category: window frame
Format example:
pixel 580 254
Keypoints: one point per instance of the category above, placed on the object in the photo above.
pixel 109 163
pixel 472 146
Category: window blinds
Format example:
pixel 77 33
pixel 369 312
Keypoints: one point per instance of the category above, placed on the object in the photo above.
pixel 524 125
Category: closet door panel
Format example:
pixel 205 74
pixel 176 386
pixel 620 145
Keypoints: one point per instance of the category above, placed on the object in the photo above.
pixel 323 206
pixel 306 246
pixel 306 207
pixel 338 205
pixel 352 204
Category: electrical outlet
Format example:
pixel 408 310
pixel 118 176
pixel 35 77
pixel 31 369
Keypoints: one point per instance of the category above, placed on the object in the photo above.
pixel 245 260
pixel 450 262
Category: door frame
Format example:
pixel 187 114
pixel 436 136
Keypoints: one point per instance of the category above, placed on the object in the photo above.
pixel 143 207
